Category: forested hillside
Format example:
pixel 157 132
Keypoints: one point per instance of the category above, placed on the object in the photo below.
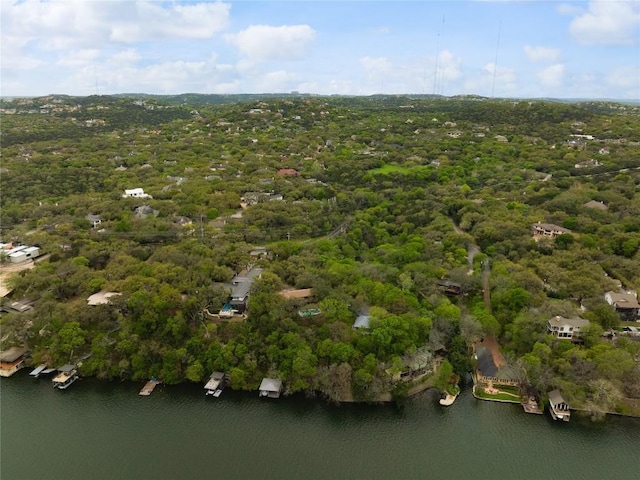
pixel 370 202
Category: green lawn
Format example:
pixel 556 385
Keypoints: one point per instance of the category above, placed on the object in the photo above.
pixel 506 397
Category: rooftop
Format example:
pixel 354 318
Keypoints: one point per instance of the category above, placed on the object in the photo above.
pixel 12 354
pixel 271 385
pixel 575 322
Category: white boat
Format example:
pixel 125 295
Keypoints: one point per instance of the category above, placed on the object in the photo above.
pixel 66 376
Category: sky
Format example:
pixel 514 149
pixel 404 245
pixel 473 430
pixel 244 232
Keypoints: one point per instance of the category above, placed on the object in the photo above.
pixel 523 49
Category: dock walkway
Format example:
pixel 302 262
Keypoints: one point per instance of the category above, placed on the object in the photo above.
pixel 148 387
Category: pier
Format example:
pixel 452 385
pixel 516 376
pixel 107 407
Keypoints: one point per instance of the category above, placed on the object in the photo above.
pixel 149 386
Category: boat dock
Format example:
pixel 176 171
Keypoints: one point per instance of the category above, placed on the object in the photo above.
pixel 149 386
pixel 41 370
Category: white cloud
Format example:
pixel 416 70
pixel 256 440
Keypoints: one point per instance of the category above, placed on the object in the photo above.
pixel 86 24
pixel 278 81
pixel 125 57
pixel 265 42
pixel 376 65
pixel 551 76
pixel 569 9
pixel 77 58
pixel 608 23
pixel 541 54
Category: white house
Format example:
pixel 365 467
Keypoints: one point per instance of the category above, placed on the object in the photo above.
pixel 567 328
pixel 136 193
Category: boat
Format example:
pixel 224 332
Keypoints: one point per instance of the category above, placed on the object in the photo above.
pixel 66 376
pixel 216 384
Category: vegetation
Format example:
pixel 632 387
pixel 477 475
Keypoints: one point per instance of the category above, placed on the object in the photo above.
pixel 391 195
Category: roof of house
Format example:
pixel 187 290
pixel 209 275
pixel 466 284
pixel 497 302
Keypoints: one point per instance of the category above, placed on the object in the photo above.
pixel 362 321
pixel 485 362
pixel 575 322
pixel 271 385
pixel 12 354
pixel 550 227
pixel 101 298
pixel 597 205
pixel 300 293
pixel 624 299
pixel 420 359
pixel 555 397
pixel 287 171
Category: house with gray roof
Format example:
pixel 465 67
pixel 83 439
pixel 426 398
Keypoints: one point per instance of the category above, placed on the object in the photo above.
pixel 626 304
pixel 566 328
pixel 271 387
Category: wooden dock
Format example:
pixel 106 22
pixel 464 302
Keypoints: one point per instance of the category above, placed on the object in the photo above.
pixel 148 387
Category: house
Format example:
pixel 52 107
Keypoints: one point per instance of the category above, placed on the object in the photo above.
pixel 626 304
pixel 18 306
pixel 101 298
pixel 558 407
pixel 300 293
pixel 238 300
pixel 596 205
pixel 287 172
pixel 362 323
pixel 487 371
pixel 540 230
pixel 259 252
pixel 450 288
pixel 18 255
pixel 144 211
pixel 271 387
pixel 417 364
pixel 566 328
pixel 588 164
pixel 135 193
pixel 12 360
pixel 94 219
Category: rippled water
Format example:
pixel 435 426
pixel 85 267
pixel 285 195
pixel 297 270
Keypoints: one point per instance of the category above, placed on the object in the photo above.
pixel 98 430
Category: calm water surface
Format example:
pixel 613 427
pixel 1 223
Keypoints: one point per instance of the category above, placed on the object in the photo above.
pixel 98 430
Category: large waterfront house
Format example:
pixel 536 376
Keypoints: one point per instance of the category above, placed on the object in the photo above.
pixel 12 360
pixel 558 407
pixel 488 372
pixel 238 300
pixel 566 328
pixel 626 304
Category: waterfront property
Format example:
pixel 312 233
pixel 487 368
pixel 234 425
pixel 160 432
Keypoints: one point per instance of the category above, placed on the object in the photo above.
pixel 216 384
pixel 271 387
pixel 12 360
pixel 67 374
pixel 558 407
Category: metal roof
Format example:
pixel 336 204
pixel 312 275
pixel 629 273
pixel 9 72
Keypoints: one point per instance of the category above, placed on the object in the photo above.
pixel 13 354
pixel 271 385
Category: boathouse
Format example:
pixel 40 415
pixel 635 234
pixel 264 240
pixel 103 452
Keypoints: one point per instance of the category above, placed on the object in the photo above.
pixel 558 407
pixel 271 387
pixel 12 360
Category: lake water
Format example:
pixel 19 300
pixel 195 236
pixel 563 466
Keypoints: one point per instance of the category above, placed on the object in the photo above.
pixel 97 430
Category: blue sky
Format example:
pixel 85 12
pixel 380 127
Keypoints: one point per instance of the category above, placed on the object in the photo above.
pixel 575 49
